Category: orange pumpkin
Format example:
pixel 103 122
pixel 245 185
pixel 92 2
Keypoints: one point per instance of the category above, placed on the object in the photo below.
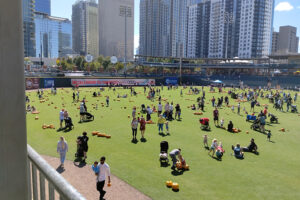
pixel 175 186
pixel 169 183
pixel 186 167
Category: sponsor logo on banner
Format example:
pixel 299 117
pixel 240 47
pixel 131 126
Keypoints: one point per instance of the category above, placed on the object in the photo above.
pixel 48 82
pixel 32 83
pixel 104 82
pixel 171 80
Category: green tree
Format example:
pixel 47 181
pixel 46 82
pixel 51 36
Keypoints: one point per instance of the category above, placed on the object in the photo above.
pixel 100 59
pixel 119 66
pixel 106 64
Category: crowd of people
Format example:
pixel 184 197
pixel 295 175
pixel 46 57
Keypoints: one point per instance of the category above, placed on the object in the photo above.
pixel 169 111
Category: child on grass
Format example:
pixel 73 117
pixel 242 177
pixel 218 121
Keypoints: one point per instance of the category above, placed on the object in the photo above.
pixel 269 135
pixel 222 122
pixel 167 127
pixel 205 141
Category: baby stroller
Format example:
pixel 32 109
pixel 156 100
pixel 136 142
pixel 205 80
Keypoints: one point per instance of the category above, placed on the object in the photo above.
pixel 88 116
pixel 204 124
pixel 163 156
pixel 256 125
pixel 273 118
pixel 143 109
pixel 79 153
pixel 294 109
pixel 69 123
pixel 276 106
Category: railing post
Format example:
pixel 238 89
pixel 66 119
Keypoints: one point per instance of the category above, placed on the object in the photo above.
pixel 42 186
pixel 29 179
pixel 51 191
pixel 34 183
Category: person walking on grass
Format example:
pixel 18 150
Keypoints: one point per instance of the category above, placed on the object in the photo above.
pixel 159 109
pixel 142 127
pixel 104 170
pixel 177 111
pixel 134 125
pixel 269 136
pixel 216 116
pixel 62 149
pixel 107 101
pixel 213 147
pixel 205 138
pixel 84 144
pixel 61 118
pixel 73 97
pixel 160 122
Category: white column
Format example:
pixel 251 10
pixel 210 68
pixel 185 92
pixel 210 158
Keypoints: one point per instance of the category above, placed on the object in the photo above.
pixel 13 149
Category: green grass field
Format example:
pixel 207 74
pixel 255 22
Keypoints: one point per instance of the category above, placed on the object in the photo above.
pixel 273 174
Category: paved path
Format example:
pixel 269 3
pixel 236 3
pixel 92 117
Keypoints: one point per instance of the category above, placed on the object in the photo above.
pixel 84 180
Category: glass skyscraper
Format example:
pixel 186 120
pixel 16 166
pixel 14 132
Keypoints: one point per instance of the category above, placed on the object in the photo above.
pixel 28 28
pixel 43 6
pixel 53 36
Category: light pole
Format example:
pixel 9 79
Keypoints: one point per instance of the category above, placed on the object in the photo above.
pixel 228 19
pixel 125 11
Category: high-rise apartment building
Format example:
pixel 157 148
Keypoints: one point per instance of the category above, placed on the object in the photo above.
pixel 43 6
pixel 287 42
pixel 53 36
pixel 210 28
pixel 240 28
pixel 198 29
pixel 28 28
pixel 114 16
pixel 85 31
pixel 179 27
pixel 155 28
pixel 275 37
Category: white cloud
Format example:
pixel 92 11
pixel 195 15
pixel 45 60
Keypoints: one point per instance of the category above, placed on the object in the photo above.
pixel 136 42
pixel 284 6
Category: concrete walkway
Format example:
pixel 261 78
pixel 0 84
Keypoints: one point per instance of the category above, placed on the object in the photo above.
pixel 84 180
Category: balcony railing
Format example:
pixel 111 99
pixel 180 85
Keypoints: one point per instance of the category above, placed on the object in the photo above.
pixel 41 175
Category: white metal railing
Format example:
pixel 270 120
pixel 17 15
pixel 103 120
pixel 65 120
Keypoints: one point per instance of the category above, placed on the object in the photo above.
pixel 38 167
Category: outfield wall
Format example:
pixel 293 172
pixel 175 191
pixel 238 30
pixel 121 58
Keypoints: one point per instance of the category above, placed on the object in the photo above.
pixel 252 81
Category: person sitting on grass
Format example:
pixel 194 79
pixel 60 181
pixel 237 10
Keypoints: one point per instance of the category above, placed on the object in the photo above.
pixel 219 154
pixel 252 147
pixel 28 109
pixel 193 107
pixel 238 153
pixel 230 127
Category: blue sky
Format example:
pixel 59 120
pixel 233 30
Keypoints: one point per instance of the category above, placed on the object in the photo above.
pixel 287 12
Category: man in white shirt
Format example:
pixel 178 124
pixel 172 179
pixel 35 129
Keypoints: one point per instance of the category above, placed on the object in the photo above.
pixel 103 171
pixel 159 109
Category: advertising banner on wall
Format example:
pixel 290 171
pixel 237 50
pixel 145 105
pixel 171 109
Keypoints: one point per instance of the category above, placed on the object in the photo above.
pixel 171 80
pixel 32 83
pixel 48 82
pixel 105 82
